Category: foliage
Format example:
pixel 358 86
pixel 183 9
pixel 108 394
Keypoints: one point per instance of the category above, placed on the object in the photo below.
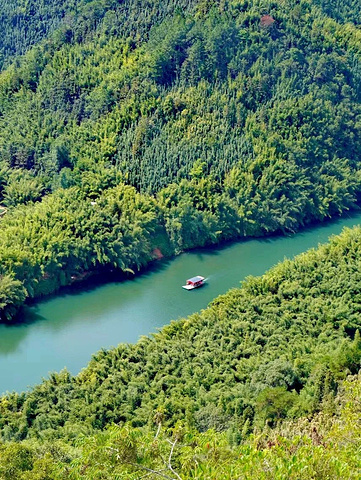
pixel 49 244
pixel 326 446
pixel 126 126
pixel 12 295
pixel 231 126
pixel 275 349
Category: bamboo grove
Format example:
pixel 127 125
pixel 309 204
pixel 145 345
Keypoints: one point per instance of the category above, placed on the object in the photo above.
pixel 260 374
pixel 229 119
pixel 129 127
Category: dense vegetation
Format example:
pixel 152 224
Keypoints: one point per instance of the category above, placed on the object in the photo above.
pixel 229 118
pixel 343 11
pixel 131 126
pixel 26 23
pixel 323 448
pixel 277 349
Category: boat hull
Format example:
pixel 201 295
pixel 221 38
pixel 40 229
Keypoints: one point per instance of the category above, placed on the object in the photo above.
pixel 192 287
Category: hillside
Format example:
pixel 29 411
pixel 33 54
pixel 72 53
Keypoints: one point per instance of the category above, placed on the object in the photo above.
pixel 230 119
pixel 276 350
pixel 24 24
pixel 326 446
pixel 137 126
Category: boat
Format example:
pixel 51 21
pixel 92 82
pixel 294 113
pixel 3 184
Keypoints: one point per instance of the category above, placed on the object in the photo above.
pixel 194 282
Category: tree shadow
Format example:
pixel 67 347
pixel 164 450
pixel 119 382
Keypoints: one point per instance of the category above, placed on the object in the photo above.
pixel 101 278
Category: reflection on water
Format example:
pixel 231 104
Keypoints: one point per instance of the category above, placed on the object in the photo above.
pixel 65 329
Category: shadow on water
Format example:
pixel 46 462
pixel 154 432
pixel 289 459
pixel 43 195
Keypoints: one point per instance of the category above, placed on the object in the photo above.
pixel 12 335
pixel 27 314
pixel 25 317
pixel 10 343
pixel 309 228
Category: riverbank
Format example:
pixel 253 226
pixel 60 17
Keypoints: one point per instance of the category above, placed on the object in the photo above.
pixel 163 251
pixel 49 244
pixel 65 329
pixel 275 348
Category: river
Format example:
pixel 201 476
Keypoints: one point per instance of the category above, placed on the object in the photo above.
pixel 64 330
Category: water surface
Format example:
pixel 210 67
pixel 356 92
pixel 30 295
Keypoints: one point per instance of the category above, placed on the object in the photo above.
pixel 65 330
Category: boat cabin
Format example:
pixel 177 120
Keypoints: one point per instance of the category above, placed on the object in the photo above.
pixel 194 282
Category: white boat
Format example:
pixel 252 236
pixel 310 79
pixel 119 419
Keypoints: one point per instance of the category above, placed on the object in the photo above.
pixel 194 282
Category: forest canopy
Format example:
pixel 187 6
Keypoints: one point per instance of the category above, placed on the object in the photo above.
pixel 133 127
pixel 228 119
pixel 261 372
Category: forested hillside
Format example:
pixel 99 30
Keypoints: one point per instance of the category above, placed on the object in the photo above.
pixel 231 119
pixel 26 23
pixel 324 447
pixel 343 11
pixel 137 126
pixel 233 388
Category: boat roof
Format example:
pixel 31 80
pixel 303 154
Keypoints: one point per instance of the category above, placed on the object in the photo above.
pixel 196 279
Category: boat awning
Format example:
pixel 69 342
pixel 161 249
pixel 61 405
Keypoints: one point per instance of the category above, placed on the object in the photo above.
pixel 195 279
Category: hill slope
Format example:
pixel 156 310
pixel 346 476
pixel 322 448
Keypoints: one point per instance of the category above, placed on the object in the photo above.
pixel 24 24
pixel 233 118
pixel 326 446
pixel 276 349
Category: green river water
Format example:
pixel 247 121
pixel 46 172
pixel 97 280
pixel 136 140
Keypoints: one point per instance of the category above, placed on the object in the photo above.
pixel 63 331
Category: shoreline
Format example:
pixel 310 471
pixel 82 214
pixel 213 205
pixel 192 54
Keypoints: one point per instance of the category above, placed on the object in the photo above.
pixel 103 275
